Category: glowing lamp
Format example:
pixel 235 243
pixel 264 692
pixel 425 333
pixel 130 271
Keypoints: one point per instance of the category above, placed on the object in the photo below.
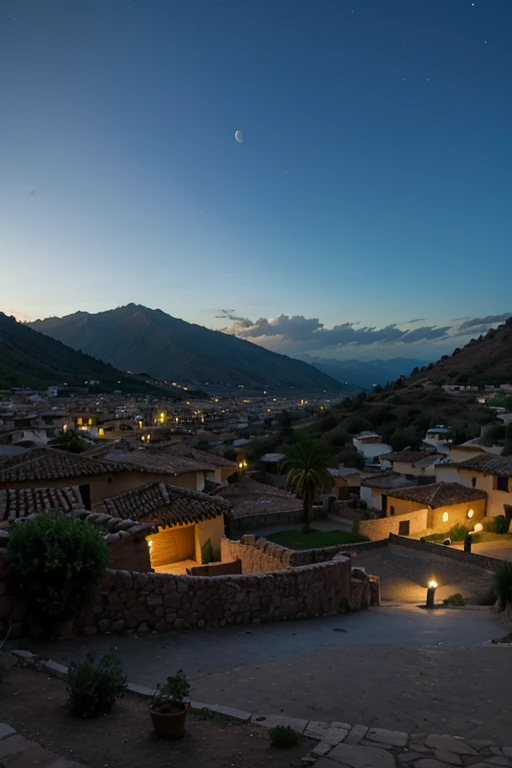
pixel 431 593
pixel 470 513
pixel 150 543
pixel 478 527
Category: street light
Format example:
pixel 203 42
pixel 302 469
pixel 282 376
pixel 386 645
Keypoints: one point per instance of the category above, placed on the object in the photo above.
pixel 431 593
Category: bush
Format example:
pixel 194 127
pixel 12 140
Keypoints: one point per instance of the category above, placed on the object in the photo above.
pixel 94 686
pixel 503 584
pixel 458 532
pixel 499 524
pixel 455 599
pixel 58 563
pixel 283 736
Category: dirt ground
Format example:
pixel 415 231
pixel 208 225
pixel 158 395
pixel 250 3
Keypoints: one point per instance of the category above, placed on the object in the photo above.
pixel 35 705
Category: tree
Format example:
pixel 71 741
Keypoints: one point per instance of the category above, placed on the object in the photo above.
pixel 69 441
pixel 507 448
pixel 405 438
pixel 306 464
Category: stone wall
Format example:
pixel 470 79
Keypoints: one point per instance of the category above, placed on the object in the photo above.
pixel 266 519
pixel 131 600
pixel 129 554
pixel 383 526
pixel 468 558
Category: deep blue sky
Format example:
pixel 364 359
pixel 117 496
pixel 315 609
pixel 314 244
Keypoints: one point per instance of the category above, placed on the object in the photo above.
pixel 373 187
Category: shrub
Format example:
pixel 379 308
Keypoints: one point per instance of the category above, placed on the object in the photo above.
pixel 94 686
pixel 458 532
pixel 499 524
pixel 283 736
pixel 455 599
pixel 58 563
pixel 503 584
pixel 169 697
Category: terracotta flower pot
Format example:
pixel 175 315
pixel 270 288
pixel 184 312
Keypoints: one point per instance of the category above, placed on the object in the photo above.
pixel 170 724
pixel 62 628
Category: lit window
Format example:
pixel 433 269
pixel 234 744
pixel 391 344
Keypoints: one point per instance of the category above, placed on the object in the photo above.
pixel 470 513
pixel 445 517
pixel 79 421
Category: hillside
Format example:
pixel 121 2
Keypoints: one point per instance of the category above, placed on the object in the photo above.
pixel 28 358
pixel 486 360
pixel 136 338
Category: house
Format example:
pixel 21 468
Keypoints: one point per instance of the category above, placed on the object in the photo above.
pixel 271 462
pixel 126 539
pixel 254 504
pixel 375 487
pixel 189 525
pixel 346 480
pixel 415 463
pixel 223 468
pixel 436 507
pixel 438 437
pixel 492 474
pixel 370 445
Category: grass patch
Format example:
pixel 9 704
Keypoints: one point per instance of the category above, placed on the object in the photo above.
pixel 505 639
pixel 315 539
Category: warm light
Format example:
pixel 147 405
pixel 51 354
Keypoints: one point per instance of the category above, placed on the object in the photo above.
pixel 432 584
pixel 177 419
pixel 162 415
pixel 470 513
pixel 240 465
pixel 478 527
pixel 150 543
pixel 101 431
pixel 64 427
pixel 445 517
pixel 140 424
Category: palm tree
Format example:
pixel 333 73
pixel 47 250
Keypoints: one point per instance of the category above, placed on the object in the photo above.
pixel 306 464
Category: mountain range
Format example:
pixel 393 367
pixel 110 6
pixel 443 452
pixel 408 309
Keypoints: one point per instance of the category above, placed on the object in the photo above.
pixel 137 339
pixel 367 374
pixel 30 359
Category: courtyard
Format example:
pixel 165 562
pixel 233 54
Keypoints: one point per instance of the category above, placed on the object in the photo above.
pixel 398 667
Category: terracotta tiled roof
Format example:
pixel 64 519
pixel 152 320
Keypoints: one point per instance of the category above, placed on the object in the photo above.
pixel 490 464
pixel 164 504
pixel 406 456
pixel 249 497
pixel 153 462
pixel 186 452
pixel 439 494
pixel 51 464
pixel 20 502
pixel 385 480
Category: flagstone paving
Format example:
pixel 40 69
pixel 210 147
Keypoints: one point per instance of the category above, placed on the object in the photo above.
pixel 18 752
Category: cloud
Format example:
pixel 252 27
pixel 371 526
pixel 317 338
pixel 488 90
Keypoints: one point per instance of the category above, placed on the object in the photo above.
pixel 416 320
pixel 297 334
pixel 473 322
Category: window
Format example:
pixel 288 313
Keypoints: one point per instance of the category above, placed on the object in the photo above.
pixel 404 527
pixel 502 484
pixel 445 517
pixel 391 510
pixel 473 482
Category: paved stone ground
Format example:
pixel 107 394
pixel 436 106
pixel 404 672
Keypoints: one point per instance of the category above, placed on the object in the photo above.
pixel 404 575
pixel 397 667
pixel 18 752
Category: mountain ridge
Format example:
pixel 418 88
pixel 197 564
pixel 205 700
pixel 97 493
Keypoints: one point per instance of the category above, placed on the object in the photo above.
pixel 137 338
pixel 29 358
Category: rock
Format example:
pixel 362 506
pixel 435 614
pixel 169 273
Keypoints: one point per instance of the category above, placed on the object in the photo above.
pixel 449 743
pixel 395 738
pixel 362 757
pixel 357 732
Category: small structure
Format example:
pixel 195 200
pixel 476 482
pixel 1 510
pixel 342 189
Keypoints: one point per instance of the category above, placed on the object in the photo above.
pixel 414 463
pixel 375 487
pixel 346 480
pixel 370 445
pixel 271 461
pixel 445 505
pixel 491 474
pixel 190 525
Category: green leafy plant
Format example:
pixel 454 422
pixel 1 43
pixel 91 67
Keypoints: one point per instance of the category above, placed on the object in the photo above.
pixel 455 599
pixel 503 584
pixel 282 736
pixel 458 532
pixel 499 524
pixel 504 639
pixel 94 686
pixel 169 697
pixel 57 563
pixel 207 555
pixel 306 464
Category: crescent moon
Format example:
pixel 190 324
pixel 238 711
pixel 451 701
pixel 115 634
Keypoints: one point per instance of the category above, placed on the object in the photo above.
pixel 239 137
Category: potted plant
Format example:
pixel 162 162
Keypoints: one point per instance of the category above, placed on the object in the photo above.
pixel 167 708
pixel 57 564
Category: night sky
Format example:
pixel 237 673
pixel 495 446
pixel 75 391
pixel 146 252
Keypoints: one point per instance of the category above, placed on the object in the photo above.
pixel 373 187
